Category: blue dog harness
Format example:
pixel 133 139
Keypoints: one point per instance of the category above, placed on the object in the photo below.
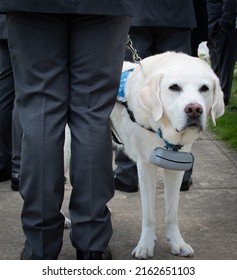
pixel 122 100
pixel 121 94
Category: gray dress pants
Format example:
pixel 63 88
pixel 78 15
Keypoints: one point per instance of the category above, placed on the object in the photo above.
pixel 67 70
pixel 7 96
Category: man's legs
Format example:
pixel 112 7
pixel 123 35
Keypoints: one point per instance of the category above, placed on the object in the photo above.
pixel 223 48
pixel 39 50
pixel 6 105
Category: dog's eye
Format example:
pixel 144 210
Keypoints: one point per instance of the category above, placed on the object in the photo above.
pixel 175 87
pixel 204 88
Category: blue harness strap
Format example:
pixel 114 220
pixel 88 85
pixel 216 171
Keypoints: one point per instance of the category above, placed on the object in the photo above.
pixel 121 94
pixel 122 99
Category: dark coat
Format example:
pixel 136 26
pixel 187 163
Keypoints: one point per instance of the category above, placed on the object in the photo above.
pixel 166 13
pixel 221 14
pixel 98 7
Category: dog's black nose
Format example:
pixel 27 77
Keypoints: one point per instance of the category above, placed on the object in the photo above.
pixel 193 110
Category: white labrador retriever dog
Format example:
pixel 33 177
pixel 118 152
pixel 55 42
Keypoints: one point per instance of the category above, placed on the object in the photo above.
pixel 175 93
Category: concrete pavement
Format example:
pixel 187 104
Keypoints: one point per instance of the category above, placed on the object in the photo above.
pixel 208 212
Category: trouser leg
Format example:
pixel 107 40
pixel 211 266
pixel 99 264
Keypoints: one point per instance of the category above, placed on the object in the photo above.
pixel 39 51
pixel 142 41
pixel 223 48
pixel 16 142
pixel 126 170
pixel 6 105
pixel 97 52
pixel 172 39
pixel 227 63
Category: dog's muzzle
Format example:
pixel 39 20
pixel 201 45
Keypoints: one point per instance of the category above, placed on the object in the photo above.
pixel 194 113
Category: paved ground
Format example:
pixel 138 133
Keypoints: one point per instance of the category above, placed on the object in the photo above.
pixel 208 212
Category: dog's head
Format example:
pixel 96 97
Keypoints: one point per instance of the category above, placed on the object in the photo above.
pixel 179 92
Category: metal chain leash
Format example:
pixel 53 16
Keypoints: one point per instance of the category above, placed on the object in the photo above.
pixel 136 58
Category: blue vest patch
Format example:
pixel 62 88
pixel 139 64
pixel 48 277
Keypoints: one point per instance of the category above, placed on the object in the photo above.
pixel 123 80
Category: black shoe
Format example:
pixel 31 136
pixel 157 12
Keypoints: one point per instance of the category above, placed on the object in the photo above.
pixel 5 174
pixel 119 185
pixel 15 179
pixel 23 255
pixel 185 185
pixel 94 255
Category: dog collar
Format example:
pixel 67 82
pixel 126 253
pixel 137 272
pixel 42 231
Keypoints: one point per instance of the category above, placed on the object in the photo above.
pixel 167 144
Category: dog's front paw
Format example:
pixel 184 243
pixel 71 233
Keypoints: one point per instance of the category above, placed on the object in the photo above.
pixel 177 244
pixel 144 249
pixel 181 248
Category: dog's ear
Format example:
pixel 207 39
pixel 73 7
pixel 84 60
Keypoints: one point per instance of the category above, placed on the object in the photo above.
pixel 218 106
pixel 149 97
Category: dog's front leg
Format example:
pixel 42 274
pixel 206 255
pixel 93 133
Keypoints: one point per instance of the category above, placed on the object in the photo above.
pixel 147 174
pixel 172 181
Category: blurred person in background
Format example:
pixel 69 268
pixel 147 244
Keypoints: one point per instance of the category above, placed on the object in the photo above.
pixel 222 42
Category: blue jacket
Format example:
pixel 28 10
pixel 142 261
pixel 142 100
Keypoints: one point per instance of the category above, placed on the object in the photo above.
pixel 97 7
